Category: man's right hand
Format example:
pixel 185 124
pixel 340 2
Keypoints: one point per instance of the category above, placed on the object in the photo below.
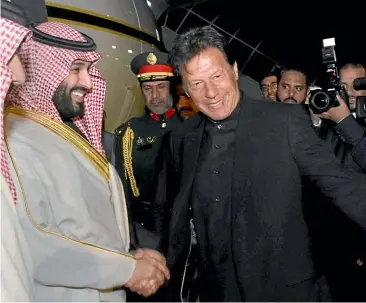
pixel 149 275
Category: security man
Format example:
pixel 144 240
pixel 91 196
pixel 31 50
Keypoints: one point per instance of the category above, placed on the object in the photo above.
pixel 139 142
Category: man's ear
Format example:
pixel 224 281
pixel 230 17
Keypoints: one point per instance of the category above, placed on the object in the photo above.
pixel 307 98
pixel 236 72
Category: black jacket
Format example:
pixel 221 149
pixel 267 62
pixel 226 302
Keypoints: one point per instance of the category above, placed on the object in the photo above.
pixel 275 148
pixel 340 243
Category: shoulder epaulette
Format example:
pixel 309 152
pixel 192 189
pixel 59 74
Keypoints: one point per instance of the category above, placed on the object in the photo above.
pixel 122 128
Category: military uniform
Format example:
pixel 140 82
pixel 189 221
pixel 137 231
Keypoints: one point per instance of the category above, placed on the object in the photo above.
pixel 140 142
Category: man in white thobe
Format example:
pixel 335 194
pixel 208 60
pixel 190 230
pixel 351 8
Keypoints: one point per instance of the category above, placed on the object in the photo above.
pixel 71 203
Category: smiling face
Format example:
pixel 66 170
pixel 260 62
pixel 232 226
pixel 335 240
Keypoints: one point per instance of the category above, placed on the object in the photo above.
pixel 69 97
pixel 212 83
pixel 269 87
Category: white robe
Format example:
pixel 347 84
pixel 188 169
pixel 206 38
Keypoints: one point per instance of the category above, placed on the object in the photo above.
pixel 16 263
pixel 74 217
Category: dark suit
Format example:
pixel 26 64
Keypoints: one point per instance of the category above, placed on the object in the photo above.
pixel 338 240
pixel 271 249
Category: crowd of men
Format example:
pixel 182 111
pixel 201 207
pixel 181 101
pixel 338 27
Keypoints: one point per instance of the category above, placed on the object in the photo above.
pixel 340 243
pixel 223 199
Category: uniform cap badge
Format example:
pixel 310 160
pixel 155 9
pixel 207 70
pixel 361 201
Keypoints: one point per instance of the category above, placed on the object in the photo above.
pixel 151 59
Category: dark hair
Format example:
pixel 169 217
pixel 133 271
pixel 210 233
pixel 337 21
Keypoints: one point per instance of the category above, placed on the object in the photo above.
pixel 195 40
pixel 270 74
pixel 295 70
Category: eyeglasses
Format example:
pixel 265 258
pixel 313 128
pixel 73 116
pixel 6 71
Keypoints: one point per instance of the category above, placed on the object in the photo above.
pixel 265 87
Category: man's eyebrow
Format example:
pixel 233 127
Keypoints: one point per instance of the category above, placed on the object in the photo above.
pixel 78 63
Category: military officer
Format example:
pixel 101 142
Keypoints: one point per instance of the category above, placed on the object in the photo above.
pixel 139 142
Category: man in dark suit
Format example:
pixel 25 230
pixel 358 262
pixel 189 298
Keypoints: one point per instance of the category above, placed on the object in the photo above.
pixel 235 186
pixel 339 240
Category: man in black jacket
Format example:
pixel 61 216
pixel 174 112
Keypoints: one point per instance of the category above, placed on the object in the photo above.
pixel 350 147
pixel 235 190
pixel 338 240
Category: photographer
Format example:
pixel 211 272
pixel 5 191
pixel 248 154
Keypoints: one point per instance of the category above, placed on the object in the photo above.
pixel 340 244
pixel 343 122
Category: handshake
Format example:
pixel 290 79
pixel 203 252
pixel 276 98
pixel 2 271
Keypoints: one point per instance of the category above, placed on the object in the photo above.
pixel 150 272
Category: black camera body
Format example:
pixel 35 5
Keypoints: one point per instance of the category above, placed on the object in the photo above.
pixel 360 84
pixel 361 107
pixel 321 101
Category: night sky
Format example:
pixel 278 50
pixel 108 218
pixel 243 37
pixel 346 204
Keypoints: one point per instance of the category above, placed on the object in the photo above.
pixel 289 33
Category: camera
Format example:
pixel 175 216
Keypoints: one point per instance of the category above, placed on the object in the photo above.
pixel 321 101
pixel 360 84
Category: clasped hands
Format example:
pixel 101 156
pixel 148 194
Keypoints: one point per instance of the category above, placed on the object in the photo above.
pixel 150 272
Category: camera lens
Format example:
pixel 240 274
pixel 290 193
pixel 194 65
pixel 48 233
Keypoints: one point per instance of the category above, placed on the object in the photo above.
pixel 320 100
